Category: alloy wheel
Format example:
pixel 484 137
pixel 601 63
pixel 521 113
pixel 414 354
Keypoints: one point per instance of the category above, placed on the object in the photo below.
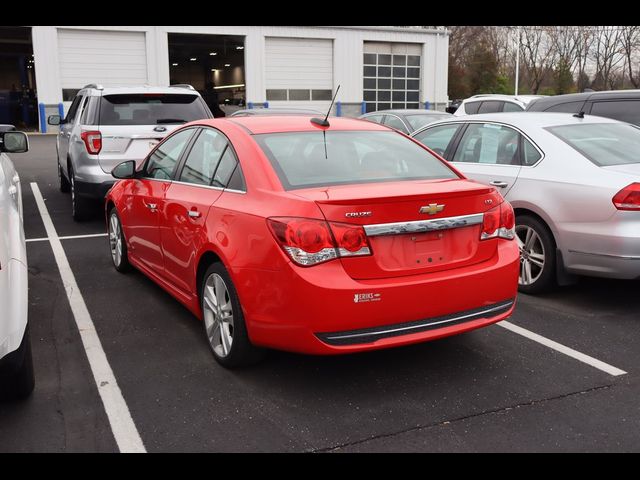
pixel 218 315
pixel 115 240
pixel 532 254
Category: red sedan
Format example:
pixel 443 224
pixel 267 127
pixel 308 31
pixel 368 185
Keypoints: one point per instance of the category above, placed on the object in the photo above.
pixel 282 233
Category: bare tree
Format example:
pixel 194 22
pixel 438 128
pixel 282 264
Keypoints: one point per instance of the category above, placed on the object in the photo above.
pixel 630 37
pixel 608 55
pixel 538 54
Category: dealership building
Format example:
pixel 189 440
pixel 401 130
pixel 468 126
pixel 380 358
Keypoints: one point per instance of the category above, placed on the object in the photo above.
pixel 42 67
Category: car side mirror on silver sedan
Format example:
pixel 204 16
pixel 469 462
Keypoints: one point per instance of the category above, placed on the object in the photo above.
pixel 14 142
pixel 124 170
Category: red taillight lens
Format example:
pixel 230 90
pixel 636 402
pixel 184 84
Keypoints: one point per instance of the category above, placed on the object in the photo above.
pixel 499 222
pixel 309 241
pixel 628 198
pixel 92 141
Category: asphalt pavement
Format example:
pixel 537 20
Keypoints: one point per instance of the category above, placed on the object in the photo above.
pixel 486 390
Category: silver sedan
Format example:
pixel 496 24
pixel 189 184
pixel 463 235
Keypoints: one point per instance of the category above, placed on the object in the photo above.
pixel 573 180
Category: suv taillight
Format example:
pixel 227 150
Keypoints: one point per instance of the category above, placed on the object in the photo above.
pixel 499 222
pixel 628 198
pixel 92 141
pixel 310 241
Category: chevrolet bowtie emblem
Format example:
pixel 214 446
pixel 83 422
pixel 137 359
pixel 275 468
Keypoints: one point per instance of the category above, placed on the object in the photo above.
pixel 432 208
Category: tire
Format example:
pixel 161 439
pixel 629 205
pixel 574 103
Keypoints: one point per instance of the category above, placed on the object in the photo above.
pixel 537 255
pixel 237 350
pixel 117 243
pixel 64 185
pixel 19 383
pixel 79 205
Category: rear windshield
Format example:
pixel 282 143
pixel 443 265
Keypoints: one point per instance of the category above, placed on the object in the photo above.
pixel 603 143
pixel 151 109
pixel 417 121
pixel 313 159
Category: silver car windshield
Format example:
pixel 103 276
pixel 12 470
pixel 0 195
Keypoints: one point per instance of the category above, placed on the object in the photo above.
pixel 312 159
pixel 605 144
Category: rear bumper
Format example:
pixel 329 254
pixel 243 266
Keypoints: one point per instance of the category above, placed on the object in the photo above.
pixel 312 310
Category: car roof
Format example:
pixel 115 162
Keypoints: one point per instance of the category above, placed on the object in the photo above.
pixel 275 111
pixel 527 119
pixel 576 97
pixel 259 124
pixel 499 96
pixel 143 89
pixel 408 111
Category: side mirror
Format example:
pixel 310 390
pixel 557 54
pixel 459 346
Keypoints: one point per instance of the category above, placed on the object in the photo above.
pixel 14 142
pixel 125 170
pixel 55 120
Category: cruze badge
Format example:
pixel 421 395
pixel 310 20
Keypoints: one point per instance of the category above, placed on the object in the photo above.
pixel 432 208
pixel 357 214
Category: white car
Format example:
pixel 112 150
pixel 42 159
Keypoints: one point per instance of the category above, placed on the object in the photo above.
pixel 16 365
pixel 494 103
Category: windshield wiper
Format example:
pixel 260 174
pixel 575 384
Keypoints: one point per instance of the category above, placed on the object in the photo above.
pixel 170 120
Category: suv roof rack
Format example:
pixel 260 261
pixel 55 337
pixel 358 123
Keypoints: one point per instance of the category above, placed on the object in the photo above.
pixel 97 86
pixel 182 85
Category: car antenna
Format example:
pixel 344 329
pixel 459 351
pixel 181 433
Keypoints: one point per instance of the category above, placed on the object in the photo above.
pixel 579 115
pixel 323 122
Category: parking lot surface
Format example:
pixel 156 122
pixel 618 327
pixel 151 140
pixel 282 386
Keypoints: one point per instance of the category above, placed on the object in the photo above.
pixel 492 389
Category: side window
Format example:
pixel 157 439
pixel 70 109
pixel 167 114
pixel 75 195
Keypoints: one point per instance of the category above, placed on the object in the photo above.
pixel 395 122
pixel 225 168
pixel 471 108
pixel 90 111
pixel 203 158
pixel 374 118
pixel 488 143
pixel 490 106
pixel 529 153
pixel 73 109
pixel 624 110
pixel 438 138
pixel 163 160
pixel 511 107
pixel 567 107
pixel 236 182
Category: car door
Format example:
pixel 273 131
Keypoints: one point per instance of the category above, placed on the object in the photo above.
pixel 66 129
pixel 145 200
pixel 200 181
pixel 490 153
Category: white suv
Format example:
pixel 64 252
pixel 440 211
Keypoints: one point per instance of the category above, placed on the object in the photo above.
pixel 16 365
pixel 107 126
pixel 492 103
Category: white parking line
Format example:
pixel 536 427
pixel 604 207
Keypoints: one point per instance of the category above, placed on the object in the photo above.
pixel 122 426
pixel 605 367
pixel 68 237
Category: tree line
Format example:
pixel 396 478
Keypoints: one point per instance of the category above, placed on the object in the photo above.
pixel 553 59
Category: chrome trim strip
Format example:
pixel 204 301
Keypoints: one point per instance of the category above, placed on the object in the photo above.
pixel 419 226
pixel 426 324
pixel 210 187
pixel 609 255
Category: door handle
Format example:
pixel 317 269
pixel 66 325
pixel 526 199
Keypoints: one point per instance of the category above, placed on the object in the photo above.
pixel 194 214
pixel 498 183
pixel 151 206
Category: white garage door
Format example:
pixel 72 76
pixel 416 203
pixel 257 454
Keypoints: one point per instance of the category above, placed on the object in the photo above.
pixel 299 72
pixel 108 58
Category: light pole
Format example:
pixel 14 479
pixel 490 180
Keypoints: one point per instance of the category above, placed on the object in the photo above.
pixel 517 58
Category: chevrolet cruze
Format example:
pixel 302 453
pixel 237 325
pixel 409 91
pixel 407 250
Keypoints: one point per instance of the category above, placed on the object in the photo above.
pixel 289 233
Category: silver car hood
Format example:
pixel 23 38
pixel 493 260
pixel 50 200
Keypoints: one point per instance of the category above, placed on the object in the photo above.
pixel 629 168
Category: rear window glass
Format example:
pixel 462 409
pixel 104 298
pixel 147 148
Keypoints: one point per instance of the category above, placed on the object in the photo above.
pixel 311 159
pixel 623 110
pixel 151 109
pixel 603 143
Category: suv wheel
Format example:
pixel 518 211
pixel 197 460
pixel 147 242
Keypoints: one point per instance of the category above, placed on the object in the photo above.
pixel 79 205
pixel 63 183
pixel 19 383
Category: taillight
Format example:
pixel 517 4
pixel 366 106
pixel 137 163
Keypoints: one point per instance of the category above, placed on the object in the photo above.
pixel 92 141
pixel 499 222
pixel 309 241
pixel 628 198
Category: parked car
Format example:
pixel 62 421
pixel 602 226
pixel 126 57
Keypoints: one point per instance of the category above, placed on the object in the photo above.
pixel 16 365
pixel 572 181
pixel 623 105
pixel 105 126
pixel 250 112
pixel 284 234
pixel 406 121
pixel 490 103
